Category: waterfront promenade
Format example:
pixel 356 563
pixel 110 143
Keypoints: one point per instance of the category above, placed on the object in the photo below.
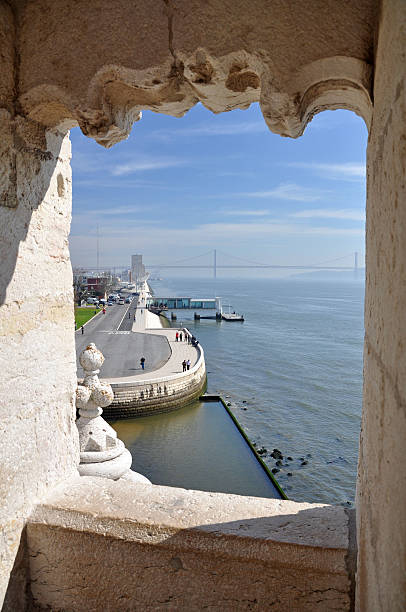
pixel 122 348
pixel 148 324
pixel 124 335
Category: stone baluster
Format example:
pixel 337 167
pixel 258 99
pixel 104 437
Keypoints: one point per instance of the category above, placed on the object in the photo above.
pixel 101 452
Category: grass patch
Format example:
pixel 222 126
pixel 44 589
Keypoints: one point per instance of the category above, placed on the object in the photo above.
pixel 82 315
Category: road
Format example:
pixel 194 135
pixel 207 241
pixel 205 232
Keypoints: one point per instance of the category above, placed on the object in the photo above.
pixel 122 349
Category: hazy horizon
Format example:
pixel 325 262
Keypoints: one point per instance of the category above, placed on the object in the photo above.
pixel 180 187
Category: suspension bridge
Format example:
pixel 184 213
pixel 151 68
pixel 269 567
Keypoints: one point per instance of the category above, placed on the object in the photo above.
pixel 216 259
pixel 243 264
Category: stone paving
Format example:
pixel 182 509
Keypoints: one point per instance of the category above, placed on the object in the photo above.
pixel 148 323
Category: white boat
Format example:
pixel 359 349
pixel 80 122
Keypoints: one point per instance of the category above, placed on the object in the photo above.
pixel 231 316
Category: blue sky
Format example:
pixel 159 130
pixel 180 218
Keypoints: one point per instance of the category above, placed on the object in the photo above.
pixel 180 187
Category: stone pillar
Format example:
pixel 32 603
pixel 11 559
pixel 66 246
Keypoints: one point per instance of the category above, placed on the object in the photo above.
pixel 101 452
pixel 39 441
pixel 381 489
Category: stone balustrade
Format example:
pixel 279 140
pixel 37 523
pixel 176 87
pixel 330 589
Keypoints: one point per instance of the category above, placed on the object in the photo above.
pixel 101 452
pixel 156 548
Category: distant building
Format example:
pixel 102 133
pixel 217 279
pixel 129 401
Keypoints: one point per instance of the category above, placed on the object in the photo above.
pixel 96 285
pixel 137 269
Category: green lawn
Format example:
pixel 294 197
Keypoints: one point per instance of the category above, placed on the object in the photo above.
pixel 84 314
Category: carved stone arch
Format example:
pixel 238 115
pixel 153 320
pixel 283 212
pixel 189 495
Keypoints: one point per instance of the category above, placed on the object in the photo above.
pixel 116 95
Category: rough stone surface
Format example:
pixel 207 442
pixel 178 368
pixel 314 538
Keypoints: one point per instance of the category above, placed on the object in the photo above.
pixel 167 547
pixel 97 64
pixel 101 452
pixel 382 462
pixel 166 56
pixel 142 398
pixel 7 57
pixel 39 442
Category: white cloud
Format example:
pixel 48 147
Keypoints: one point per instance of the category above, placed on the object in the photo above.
pixel 349 171
pixel 118 210
pixel 230 129
pixel 286 191
pixel 322 213
pixel 244 213
pixel 191 237
pixel 145 165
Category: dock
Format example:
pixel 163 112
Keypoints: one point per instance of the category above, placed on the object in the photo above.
pixel 184 303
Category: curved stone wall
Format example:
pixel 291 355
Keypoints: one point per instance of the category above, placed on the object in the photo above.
pixel 143 398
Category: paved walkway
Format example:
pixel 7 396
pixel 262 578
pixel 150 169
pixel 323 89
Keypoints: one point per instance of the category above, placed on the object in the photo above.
pixel 121 348
pixel 149 324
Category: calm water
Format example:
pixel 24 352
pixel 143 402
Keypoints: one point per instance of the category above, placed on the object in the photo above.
pixel 292 372
pixel 196 447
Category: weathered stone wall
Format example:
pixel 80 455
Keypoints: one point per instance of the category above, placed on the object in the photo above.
pixel 37 365
pixel 148 547
pixel 381 487
pixel 140 398
pixel 97 64
pixel 115 59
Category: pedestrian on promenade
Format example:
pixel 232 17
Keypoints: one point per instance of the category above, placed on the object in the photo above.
pixel 188 364
pixel 177 336
pixel 184 365
pixel 186 336
pixel 83 330
pixel 142 362
pixel 180 337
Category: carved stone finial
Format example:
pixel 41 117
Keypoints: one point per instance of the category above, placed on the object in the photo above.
pixel 101 452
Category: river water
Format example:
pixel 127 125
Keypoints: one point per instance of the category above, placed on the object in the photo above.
pixel 292 373
pixel 195 447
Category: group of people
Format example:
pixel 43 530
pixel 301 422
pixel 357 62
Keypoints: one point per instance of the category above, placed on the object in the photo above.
pixel 184 336
pixel 181 336
pixel 186 364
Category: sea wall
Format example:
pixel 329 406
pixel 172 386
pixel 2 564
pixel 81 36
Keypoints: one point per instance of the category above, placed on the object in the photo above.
pixel 146 397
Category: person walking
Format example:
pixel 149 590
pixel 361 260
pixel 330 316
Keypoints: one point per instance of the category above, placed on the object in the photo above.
pixel 83 330
pixel 142 362
pixel 184 365
pixel 180 337
pixel 177 336
pixel 188 364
